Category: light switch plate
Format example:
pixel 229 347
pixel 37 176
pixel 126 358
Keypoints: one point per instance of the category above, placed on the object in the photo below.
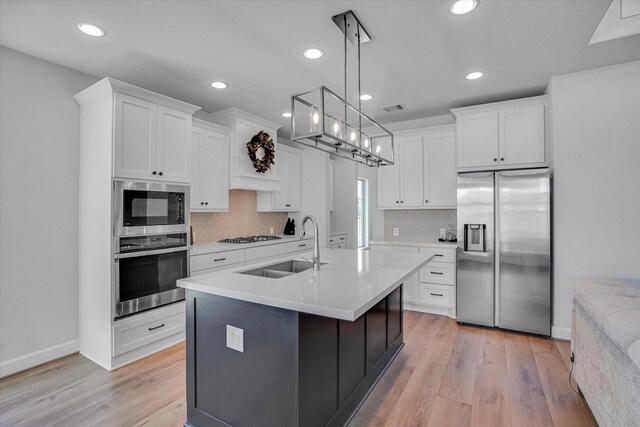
pixel 235 338
pixel 396 231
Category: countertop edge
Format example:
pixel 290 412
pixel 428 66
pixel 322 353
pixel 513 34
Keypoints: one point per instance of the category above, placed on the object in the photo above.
pixel 449 245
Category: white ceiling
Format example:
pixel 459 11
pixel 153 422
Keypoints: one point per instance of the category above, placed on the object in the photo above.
pixel 419 54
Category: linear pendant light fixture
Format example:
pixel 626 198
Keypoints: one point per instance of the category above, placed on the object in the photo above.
pixel 322 119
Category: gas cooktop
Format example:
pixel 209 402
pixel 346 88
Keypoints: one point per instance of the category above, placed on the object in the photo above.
pixel 250 239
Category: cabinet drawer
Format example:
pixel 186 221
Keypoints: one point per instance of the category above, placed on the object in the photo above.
pixel 219 259
pixel 137 332
pixel 440 254
pixel 337 246
pixel 267 251
pixel 442 296
pixel 438 272
pixel 299 246
pixel 338 238
pixel 214 269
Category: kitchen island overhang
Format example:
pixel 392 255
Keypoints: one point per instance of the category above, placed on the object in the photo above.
pixel 306 349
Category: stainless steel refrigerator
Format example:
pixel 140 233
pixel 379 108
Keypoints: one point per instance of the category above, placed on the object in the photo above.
pixel 504 248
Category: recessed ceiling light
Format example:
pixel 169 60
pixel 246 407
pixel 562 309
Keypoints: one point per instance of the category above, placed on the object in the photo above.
pixel 463 6
pixel 314 53
pixel 91 29
pixel 286 114
pixel 474 75
pixel 366 97
pixel 219 85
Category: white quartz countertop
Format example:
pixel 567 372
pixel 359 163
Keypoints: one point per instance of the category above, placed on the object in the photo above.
pixel 345 288
pixel 417 244
pixel 207 248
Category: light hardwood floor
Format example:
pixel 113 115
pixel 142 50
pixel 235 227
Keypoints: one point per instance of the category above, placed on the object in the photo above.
pixel 446 375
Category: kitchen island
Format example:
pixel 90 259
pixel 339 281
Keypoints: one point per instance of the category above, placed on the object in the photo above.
pixel 293 349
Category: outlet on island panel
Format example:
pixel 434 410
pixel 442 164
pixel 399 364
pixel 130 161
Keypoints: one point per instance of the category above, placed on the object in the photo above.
pixel 396 231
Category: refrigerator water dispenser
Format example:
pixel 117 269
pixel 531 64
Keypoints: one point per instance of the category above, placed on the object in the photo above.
pixel 474 237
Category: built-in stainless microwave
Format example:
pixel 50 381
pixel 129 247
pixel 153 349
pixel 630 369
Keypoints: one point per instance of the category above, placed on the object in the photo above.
pixel 143 208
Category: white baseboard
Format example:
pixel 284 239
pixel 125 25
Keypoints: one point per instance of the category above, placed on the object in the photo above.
pixel 561 333
pixel 21 363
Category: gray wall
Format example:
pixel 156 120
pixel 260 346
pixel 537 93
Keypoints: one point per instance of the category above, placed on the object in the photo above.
pixel 596 147
pixel 39 137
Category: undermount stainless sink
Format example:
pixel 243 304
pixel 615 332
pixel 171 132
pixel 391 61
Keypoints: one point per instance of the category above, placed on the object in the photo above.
pixel 281 269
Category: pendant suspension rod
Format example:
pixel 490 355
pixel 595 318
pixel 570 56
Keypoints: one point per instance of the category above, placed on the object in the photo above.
pixel 359 89
pixel 345 72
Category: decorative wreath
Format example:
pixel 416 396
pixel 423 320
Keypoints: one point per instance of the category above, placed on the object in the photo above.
pixel 261 141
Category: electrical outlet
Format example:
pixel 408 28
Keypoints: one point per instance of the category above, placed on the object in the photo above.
pixel 270 230
pixel 235 338
pixel 396 231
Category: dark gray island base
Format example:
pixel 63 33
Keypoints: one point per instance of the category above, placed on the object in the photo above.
pixel 296 369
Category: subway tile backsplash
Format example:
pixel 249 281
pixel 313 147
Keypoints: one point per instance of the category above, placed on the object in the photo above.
pixel 418 225
pixel 242 219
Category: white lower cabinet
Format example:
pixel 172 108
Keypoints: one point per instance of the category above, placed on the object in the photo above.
pixel 433 288
pixel 338 240
pixel 141 330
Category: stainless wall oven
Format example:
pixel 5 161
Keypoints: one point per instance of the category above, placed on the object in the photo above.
pixel 146 271
pixel 144 208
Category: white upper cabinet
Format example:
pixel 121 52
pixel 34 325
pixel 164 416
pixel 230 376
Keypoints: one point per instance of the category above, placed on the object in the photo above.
pixel 502 135
pixel 151 141
pixel 209 167
pixel 173 152
pixel 135 137
pixel 478 139
pixel 289 162
pixel 411 171
pixel 522 135
pixel 424 173
pixel 389 179
pixel 440 178
pixel 244 126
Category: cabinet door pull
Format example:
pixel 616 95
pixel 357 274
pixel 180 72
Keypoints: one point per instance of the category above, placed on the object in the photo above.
pixel 202 203
pixel 288 205
pixel 160 173
pixel 397 201
pixel 154 172
pixel 436 272
pixel 302 246
pixel 206 203
pixel 401 201
pixel 437 295
pixel 438 255
pixel 502 159
pixel 156 327
pixel 426 201
pixel 342 238
pixel 219 259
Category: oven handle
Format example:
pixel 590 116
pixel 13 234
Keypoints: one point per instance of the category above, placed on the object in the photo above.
pixel 154 252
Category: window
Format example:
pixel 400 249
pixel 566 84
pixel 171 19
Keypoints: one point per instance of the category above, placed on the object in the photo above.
pixel 362 213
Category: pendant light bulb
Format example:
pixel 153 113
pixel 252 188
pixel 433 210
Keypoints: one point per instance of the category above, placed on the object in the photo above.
pixel 378 148
pixel 366 143
pixel 315 117
pixel 352 137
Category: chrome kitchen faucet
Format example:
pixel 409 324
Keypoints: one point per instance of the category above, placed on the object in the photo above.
pixel 315 259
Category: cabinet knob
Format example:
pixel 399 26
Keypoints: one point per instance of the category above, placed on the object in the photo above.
pixel 426 201
pixel 202 203
pixel 495 159
pixel 287 205
pixel 401 201
pixel 397 201
pixel 154 172
pixel 502 159
pixel 160 173
pixel 206 203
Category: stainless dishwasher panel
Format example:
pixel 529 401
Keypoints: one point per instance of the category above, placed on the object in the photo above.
pixel 475 270
pixel 524 212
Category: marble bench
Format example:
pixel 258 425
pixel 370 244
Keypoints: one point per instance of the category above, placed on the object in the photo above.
pixel 606 344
